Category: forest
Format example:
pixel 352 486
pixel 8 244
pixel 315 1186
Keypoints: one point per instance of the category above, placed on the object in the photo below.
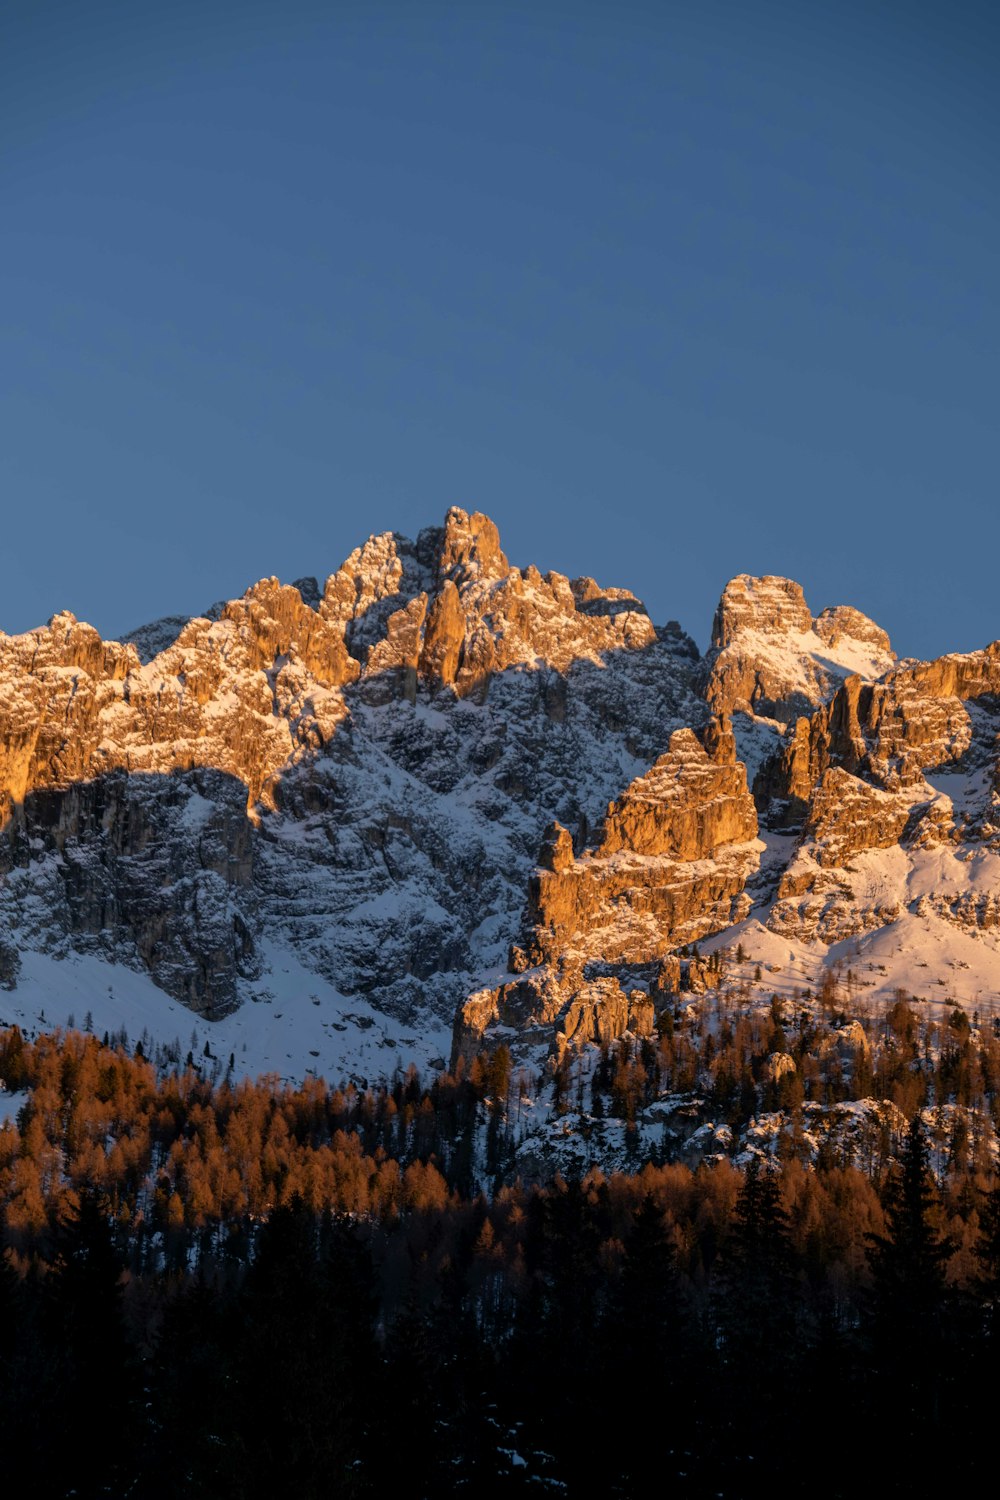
pixel 226 1289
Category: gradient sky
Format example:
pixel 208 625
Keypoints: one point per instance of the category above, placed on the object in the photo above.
pixel 672 291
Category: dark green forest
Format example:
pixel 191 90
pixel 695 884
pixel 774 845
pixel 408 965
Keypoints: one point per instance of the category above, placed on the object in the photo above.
pixel 225 1290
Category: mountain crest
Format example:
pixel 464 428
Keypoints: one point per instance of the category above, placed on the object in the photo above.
pixel 771 659
pixel 355 784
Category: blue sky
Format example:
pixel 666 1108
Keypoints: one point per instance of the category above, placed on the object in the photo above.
pixel 671 291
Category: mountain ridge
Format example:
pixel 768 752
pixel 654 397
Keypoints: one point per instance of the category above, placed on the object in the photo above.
pixel 357 784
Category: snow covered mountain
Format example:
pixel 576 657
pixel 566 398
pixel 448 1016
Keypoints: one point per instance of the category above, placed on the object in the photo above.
pixel 317 827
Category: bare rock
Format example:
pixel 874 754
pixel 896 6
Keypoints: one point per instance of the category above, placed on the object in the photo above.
pixel 770 658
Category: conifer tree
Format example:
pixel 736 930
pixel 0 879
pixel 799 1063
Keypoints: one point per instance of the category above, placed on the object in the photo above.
pixel 90 1360
pixel 909 1302
pixel 292 1369
pixel 758 1315
pixel 649 1344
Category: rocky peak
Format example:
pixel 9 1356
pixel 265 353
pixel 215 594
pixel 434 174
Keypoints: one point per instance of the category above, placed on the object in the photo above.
pixel 449 611
pixel 684 807
pixel 373 837
pixel 917 718
pixel 557 849
pixel 719 741
pixel 768 605
pixel 377 579
pixel 641 888
pixel 843 623
pixel 770 659
pixel 670 867
pixel 361 779
pixel 470 547
pixel 591 599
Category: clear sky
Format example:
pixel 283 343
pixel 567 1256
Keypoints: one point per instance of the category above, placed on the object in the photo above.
pixel 672 291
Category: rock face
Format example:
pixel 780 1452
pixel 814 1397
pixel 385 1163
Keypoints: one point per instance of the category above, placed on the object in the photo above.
pixel 770 662
pixel 916 718
pixel 156 871
pixel 770 658
pixel 846 628
pixel 905 766
pixel 243 695
pixel 452 610
pixel 670 867
pixel 395 745
pixel 455 788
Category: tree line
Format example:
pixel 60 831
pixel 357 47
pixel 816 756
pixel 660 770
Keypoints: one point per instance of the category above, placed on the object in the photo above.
pixel 347 1321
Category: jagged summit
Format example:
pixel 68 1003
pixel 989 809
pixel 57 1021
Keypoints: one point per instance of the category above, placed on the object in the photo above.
pixel 768 605
pixel 333 814
pixel 771 658
pixel 450 610
pixel 363 773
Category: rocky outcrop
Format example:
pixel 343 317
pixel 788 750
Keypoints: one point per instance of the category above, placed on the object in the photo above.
pixel 242 695
pixel 847 815
pixel 766 606
pixel 891 732
pixel 397 741
pixel 853 778
pixel 687 805
pixel 444 637
pixel 770 658
pixel 542 1010
pixel 670 867
pixel 364 773
pixel 152 870
pixel 844 625
pixel 470 549
pixel 451 608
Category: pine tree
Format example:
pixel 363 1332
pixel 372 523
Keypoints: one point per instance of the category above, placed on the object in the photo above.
pixel 649 1344
pixel 988 1250
pixel 908 1260
pixel 192 1389
pixel 10 1328
pixel 909 1302
pixel 91 1362
pixel 759 1320
pixel 758 1288
pixel 304 1352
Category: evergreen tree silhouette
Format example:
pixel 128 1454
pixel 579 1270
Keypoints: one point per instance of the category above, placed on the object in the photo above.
pixel 93 1389
pixel 295 1369
pixel 758 1314
pixel 650 1345
pixel 192 1432
pixel 909 1303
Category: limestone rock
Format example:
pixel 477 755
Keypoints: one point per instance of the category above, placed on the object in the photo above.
pixel 769 605
pixel 670 867
pixel 667 981
pixel 847 815
pixel 778 1065
pixel 843 623
pixel 470 548
pixel 697 976
pixel 444 636
pixel 377 775
pixel 770 658
pixel 557 850
pixel 684 807
pixel 396 744
pixel 892 731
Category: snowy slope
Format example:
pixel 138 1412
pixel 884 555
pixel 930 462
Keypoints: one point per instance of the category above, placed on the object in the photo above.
pixel 306 827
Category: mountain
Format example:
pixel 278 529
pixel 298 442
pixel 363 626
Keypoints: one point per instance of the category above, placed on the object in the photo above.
pixel 443 802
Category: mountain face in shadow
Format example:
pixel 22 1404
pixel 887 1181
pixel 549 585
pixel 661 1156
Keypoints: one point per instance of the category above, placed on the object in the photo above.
pixel 460 788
